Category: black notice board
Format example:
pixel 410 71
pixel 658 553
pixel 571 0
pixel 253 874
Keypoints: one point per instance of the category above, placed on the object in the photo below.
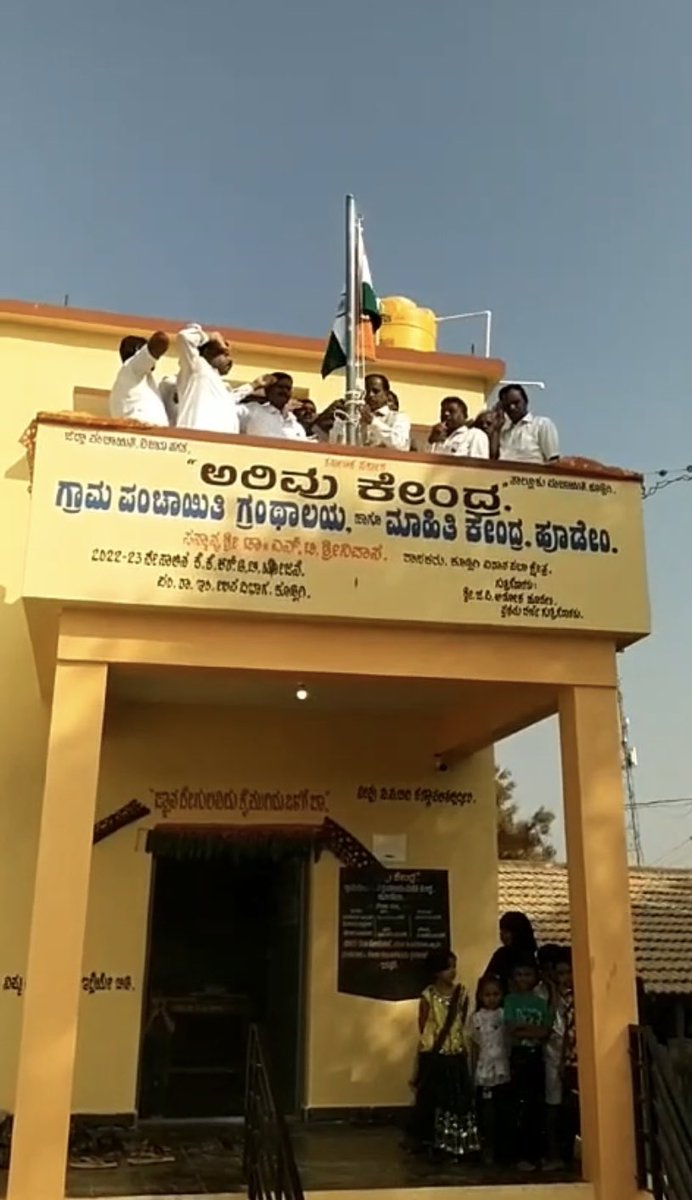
pixel 388 924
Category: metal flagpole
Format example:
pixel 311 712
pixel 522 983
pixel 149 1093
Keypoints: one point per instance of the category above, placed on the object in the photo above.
pixel 352 311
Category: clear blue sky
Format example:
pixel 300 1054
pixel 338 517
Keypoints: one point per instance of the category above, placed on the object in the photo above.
pixel 529 156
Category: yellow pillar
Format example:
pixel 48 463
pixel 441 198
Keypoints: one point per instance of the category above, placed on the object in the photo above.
pixel 602 946
pixel 49 1031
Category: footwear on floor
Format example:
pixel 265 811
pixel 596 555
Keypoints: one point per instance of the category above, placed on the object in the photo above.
pixel 148 1155
pixel 92 1162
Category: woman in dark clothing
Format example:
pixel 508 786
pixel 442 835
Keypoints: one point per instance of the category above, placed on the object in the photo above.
pixel 518 943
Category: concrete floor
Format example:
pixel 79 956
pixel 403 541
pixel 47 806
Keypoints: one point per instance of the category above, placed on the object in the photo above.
pixel 330 1157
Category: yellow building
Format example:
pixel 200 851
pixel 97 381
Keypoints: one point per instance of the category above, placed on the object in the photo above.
pixel 166 595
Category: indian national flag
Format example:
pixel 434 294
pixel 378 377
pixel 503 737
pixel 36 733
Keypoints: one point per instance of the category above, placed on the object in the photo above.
pixel 369 322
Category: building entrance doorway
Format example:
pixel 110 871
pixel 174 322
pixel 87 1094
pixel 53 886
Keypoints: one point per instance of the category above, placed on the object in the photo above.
pixel 226 948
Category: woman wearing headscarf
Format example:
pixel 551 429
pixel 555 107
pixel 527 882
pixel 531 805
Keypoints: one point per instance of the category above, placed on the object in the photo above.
pixel 518 942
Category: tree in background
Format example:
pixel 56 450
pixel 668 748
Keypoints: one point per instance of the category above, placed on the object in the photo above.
pixel 520 837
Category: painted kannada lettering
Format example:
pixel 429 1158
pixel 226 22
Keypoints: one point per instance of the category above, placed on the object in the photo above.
pixel 530 566
pixel 244 801
pixel 514 589
pixel 280 514
pixel 420 525
pixel 486 520
pixel 426 796
pixel 521 598
pixel 126 441
pixel 240 587
pixel 200 562
pixel 381 489
pixel 99 981
pixel 299 546
pixel 95 981
pixel 551 537
pixel 566 483
pixel 168 503
pixel 74 497
pixel 547 536
pixel 307 484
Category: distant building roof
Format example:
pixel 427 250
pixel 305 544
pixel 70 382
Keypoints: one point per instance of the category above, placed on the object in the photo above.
pixel 661 912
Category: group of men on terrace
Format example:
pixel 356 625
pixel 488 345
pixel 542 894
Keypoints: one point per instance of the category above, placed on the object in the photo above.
pixel 199 398
pixel 507 431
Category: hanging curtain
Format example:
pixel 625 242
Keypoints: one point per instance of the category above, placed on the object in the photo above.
pixel 272 842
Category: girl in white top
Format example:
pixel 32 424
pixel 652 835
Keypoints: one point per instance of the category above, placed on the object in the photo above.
pixel 489 1038
pixel 491 1075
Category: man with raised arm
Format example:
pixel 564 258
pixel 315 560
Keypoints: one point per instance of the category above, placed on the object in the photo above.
pixel 275 415
pixel 204 401
pixel 135 394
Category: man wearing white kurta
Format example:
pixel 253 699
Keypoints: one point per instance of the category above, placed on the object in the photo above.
pixel 135 394
pixel 274 418
pixel 380 424
pixel 523 437
pixel 204 401
pixel 454 435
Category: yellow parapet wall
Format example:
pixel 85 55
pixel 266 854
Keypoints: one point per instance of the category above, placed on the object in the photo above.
pixel 161 518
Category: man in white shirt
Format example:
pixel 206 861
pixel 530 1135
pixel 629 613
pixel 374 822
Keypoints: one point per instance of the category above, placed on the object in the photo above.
pixel 204 401
pixel 454 435
pixel 523 437
pixel 380 424
pixel 306 413
pixel 168 391
pixel 135 394
pixel 275 417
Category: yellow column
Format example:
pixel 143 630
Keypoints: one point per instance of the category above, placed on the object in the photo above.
pixel 49 1031
pixel 603 953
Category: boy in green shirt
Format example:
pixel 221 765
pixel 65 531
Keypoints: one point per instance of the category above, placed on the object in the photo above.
pixel 528 1020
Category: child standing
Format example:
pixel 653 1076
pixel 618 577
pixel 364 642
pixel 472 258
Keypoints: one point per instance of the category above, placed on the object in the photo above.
pixel 570 1062
pixel 548 957
pixel 528 1020
pixel 491 1074
pixel 443 1120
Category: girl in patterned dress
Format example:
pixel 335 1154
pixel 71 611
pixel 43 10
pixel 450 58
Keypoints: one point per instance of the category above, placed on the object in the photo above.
pixel 444 1122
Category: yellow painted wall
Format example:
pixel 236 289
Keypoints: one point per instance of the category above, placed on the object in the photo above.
pixel 359 1051
pixel 41 368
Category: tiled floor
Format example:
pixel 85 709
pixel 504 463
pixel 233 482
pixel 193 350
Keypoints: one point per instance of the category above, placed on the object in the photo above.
pixel 347 1157
pixel 329 1156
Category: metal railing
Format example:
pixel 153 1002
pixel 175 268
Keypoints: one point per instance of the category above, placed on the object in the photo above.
pixel 270 1167
pixel 662 1122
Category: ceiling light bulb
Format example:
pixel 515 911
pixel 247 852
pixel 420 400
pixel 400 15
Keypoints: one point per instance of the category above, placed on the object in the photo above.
pixel 302 693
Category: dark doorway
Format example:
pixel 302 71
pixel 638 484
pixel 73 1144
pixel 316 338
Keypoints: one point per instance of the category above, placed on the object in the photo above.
pixel 226 948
